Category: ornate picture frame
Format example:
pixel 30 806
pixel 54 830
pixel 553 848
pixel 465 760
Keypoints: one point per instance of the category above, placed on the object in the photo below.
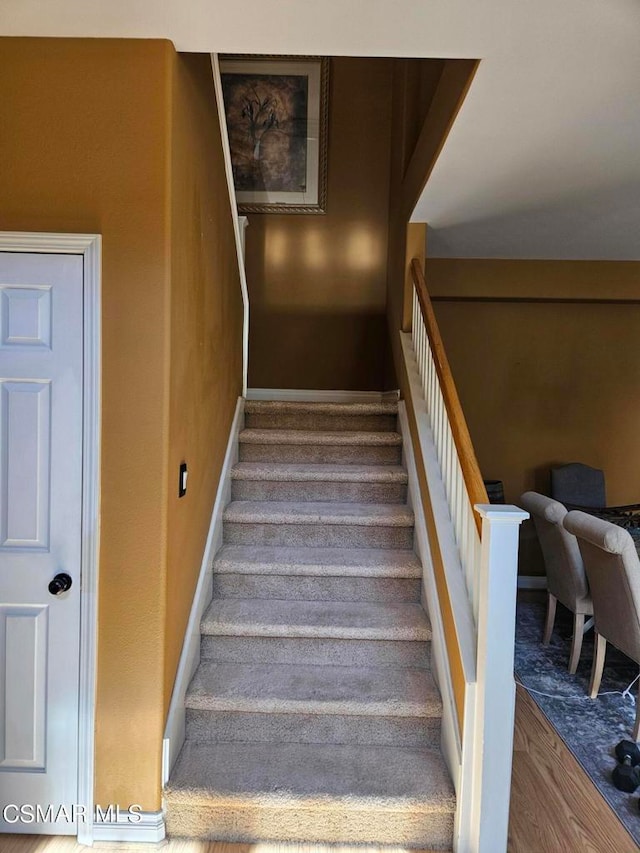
pixel 277 111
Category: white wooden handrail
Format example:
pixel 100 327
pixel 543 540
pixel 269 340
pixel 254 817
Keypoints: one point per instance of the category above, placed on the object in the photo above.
pixel 460 472
pixel 477 581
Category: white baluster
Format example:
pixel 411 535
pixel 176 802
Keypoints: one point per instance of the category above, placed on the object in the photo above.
pixel 450 449
pixel 438 430
pixel 458 501
pixel 465 547
pixel 415 313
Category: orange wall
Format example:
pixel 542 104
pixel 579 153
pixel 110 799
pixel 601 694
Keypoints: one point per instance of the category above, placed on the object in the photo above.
pixel 87 144
pixel 206 335
pixel 101 139
pixel 317 284
pixel 543 383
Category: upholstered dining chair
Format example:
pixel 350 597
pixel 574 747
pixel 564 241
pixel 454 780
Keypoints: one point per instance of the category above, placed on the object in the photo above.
pixel 579 486
pixel 613 570
pixel 566 579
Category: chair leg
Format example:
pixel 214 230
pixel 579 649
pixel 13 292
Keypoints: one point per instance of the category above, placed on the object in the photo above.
pixel 576 644
pixel 551 618
pixel 636 725
pixel 598 664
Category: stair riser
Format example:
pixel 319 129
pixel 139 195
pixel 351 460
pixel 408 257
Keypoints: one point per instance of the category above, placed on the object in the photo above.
pixel 300 588
pixel 320 422
pixel 251 822
pixel 235 727
pixel 338 454
pixel 318 535
pixel 263 490
pixel 312 650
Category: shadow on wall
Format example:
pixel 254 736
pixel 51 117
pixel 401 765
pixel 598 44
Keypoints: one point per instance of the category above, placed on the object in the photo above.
pixel 305 349
pixel 557 228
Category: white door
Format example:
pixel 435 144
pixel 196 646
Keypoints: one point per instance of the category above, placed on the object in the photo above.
pixel 41 345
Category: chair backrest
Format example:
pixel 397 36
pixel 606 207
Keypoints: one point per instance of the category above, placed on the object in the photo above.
pixel 613 569
pixel 566 577
pixel 578 484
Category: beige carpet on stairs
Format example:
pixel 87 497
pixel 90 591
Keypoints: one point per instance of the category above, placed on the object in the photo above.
pixel 313 716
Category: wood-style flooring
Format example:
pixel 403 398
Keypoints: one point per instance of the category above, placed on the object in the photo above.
pixel 555 808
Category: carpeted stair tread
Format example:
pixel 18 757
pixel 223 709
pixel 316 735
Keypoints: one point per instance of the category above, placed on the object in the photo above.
pixel 318 472
pixel 313 775
pixel 207 726
pixel 319 512
pixel 313 437
pixel 286 688
pixel 294 407
pixel 327 619
pixel 317 562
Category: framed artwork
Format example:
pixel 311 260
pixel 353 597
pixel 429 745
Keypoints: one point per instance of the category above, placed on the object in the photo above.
pixel 277 120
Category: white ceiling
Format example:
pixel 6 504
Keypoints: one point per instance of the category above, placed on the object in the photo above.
pixel 544 158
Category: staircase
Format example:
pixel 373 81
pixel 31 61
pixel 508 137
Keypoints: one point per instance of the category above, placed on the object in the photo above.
pixel 313 715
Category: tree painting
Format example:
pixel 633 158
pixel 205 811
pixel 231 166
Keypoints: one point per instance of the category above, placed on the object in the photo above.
pixel 260 115
pixel 267 122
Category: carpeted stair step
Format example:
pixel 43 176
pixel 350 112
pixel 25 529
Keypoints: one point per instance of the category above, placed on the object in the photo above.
pixel 339 562
pixel 301 688
pixel 316 574
pixel 317 619
pixel 313 632
pixel 309 588
pixel 318 524
pixel 314 650
pixel 311 793
pixel 313 704
pixel 359 417
pixel 281 481
pixel 315 446
pixel 246 727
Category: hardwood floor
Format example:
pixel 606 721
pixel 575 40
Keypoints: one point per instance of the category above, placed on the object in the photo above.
pixel 554 805
pixel 555 808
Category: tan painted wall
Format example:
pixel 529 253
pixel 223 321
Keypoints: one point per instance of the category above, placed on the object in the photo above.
pixel 206 335
pixel 88 133
pixel 87 144
pixel 317 284
pixel 543 383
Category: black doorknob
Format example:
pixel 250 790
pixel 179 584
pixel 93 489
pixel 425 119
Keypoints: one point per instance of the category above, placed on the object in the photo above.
pixel 61 583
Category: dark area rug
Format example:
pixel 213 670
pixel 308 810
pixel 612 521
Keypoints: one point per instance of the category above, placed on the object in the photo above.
pixel 590 728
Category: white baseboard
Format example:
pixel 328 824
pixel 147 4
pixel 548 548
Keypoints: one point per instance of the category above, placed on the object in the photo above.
pixel 190 657
pixel 297 395
pixel 532 582
pixel 139 827
pixel 449 736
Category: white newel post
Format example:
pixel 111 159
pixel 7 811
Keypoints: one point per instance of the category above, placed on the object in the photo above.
pixel 495 689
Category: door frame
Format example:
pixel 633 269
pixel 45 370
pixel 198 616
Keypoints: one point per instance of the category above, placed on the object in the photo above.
pixel 90 247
